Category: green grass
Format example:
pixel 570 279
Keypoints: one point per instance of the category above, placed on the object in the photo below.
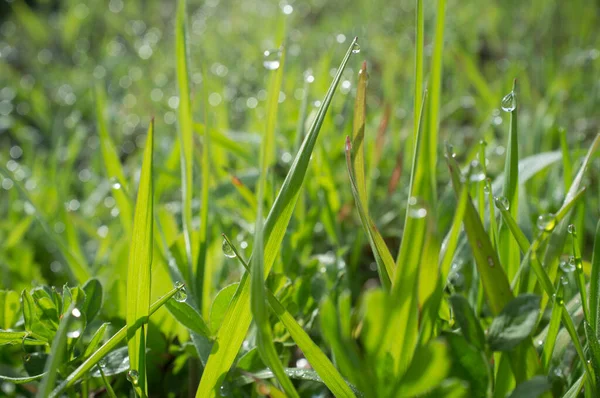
pixel 249 199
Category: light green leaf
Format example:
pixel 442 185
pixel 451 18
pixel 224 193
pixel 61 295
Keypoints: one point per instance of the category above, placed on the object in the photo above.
pixel 188 317
pixel 9 308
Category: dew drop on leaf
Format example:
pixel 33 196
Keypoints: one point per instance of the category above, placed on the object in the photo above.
pixel 133 376
pixel 227 249
pixel 509 102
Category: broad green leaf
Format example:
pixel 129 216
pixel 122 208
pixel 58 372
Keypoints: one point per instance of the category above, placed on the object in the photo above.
pixel 188 317
pixel 470 363
pixel 107 347
pixel 93 299
pixel 186 137
pixel 116 362
pixel 112 164
pixel 468 322
pixel 9 308
pixel 139 268
pixel 515 323
pixel 238 317
pixel 430 366
pixel 532 388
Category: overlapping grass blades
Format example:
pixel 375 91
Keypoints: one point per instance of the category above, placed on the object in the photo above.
pixel 238 317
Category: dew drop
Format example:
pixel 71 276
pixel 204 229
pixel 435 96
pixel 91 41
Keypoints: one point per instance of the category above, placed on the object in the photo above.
pixel 27 357
pixel 568 266
pixel 450 151
pixel 133 376
pixel 308 76
pixel 571 229
pixel 271 60
pixel 502 203
pixel 509 102
pixel 564 280
pixel 476 172
pixel 227 249
pixel 490 261
pixel 115 184
pixel 356 48
pixel 181 294
pixel 76 324
pixel 546 222
pixel 487 188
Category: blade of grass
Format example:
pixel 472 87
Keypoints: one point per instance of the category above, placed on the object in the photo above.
pixel 106 348
pixel 258 300
pixel 57 353
pixel 186 139
pixel 507 247
pixel 553 328
pixel 238 317
pixel 580 277
pixel 203 269
pixel 356 171
pixel 419 45
pixel 138 270
pixel 315 356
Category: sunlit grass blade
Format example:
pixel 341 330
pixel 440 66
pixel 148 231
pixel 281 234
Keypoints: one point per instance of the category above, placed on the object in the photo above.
pixel 107 347
pixel 315 356
pixel 219 138
pixel 579 276
pixel 566 157
pixel 112 164
pixel 186 138
pixel 139 268
pixel 258 300
pixel 22 380
pixel 507 247
pixel 203 269
pixel 355 160
pixel 451 240
pixel 570 326
pixel 57 353
pixel 238 317
pixel 109 390
pixel 419 47
pixel 594 303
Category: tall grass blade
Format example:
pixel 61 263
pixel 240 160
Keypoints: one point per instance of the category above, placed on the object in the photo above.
pixel 186 139
pixel 594 303
pixel 140 262
pixel 507 247
pixel 238 317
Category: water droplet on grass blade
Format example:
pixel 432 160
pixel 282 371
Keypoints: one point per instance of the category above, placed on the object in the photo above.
pixel 509 102
pixel 181 294
pixel 571 229
pixel 356 48
pixel 502 203
pixel 567 266
pixel 133 376
pixel 271 59
pixel 227 249
pixel 546 222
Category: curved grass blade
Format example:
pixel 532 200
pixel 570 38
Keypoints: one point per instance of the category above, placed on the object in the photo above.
pixel 112 164
pixel 186 139
pixel 258 301
pixel 327 372
pixel 106 348
pixel 140 262
pixel 356 171
pixel 238 317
